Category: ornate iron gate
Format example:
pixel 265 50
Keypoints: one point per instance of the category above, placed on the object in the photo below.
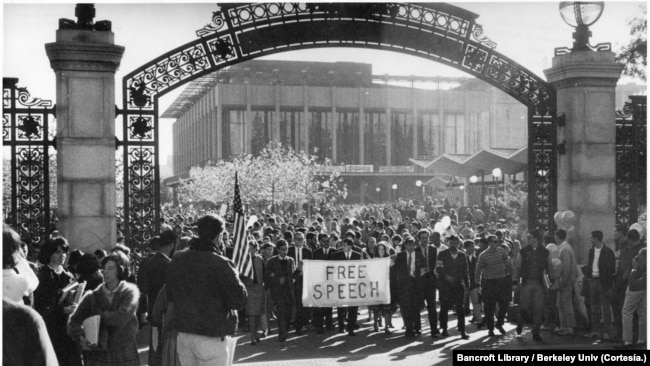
pixel 239 32
pixel 631 159
pixel 25 132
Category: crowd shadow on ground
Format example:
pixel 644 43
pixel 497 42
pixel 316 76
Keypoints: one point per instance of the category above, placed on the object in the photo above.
pixel 368 345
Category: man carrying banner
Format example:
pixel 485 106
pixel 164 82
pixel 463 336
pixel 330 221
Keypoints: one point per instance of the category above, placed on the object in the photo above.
pixel 351 312
pixel 279 276
pixel 323 315
pixel 409 267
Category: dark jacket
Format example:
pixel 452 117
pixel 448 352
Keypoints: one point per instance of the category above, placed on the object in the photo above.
pixel 340 255
pixel 606 266
pixel 453 267
pixel 151 278
pixel 433 258
pixel 25 340
pixel 402 271
pixel 471 268
pixel 319 254
pixel 277 268
pixel 534 263
pixel 205 289
pixel 118 318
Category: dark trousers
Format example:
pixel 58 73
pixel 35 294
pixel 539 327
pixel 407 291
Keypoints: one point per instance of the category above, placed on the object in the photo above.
pixel 349 314
pixel 410 304
pixel 323 316
pixel 284 305
pixel 454 298
pixel 496 292
pixel 429 297
pixel 302 313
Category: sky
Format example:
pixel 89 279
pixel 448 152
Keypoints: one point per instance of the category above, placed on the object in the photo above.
pixel 527 32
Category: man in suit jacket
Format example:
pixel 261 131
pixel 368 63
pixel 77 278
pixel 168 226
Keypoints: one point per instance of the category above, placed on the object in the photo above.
pixel 299 253
pixel 600 276
pixel 454 276
pixel 409 267
pixel 473 291
pixel 279 276
pixel 323 253
pixel 151 278
pixel 351 311
pixel 428 281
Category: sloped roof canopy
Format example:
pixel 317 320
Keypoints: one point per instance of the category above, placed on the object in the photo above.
pixel 483 161
pixel 487 160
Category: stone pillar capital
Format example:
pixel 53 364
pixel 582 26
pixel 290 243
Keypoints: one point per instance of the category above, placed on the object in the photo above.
pixel 84 50
pixel 584 69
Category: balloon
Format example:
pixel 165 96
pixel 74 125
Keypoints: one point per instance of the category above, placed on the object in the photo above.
pixel 439 227
pixel 558 218
pixel 638 227
pixel 568 217
pixel 446 222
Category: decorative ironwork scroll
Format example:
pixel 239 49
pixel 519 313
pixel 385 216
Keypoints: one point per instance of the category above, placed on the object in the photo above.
pixel 631 159
pixel 238 32
pixel 25 127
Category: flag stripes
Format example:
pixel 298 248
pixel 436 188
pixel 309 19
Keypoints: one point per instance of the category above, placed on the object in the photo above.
pixel 241 254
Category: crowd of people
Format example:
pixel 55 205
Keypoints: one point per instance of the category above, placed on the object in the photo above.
pixel 194 300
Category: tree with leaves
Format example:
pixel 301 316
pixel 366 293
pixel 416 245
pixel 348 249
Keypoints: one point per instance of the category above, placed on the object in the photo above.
pixel 278 175
pixel 635 54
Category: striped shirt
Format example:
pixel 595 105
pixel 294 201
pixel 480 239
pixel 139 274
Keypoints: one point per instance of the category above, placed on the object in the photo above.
pixel 493 264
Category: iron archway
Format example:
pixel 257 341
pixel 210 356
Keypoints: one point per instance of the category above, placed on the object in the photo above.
pixel 239 32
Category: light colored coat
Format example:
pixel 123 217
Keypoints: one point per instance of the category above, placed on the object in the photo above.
pixel 569 272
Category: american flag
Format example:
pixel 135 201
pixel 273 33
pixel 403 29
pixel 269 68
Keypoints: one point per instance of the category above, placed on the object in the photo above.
pixel 241 254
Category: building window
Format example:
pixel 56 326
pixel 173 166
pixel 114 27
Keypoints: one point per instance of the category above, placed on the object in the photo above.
pixel 375 138
pixel 450 134
pixel 291 129
pixel 233 128
pixel 262 130
pixel 402 135
pixel 320 134
pixel 460 134
pixel 428 135
pixel 347 142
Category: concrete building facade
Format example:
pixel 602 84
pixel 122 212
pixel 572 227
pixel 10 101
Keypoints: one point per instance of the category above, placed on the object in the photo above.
pixel 369 123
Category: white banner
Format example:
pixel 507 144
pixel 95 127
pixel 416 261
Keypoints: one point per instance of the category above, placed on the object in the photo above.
pixel 346 283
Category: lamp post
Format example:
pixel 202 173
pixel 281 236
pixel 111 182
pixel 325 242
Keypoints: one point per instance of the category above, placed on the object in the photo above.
pixel 580 15
pixel 496 174
pixel 418 183
pixel 394 187
pixel 378 190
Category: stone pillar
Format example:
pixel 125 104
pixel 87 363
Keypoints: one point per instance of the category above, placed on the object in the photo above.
pixel 85 58
pixel 586 83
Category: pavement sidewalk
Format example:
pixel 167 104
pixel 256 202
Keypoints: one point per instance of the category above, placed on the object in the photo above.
pixel 375 349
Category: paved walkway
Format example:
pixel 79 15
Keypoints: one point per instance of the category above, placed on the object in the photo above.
pixel 375 349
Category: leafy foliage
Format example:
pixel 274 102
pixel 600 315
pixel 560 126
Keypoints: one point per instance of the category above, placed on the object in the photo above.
pixel 278 175
pixel 635 54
